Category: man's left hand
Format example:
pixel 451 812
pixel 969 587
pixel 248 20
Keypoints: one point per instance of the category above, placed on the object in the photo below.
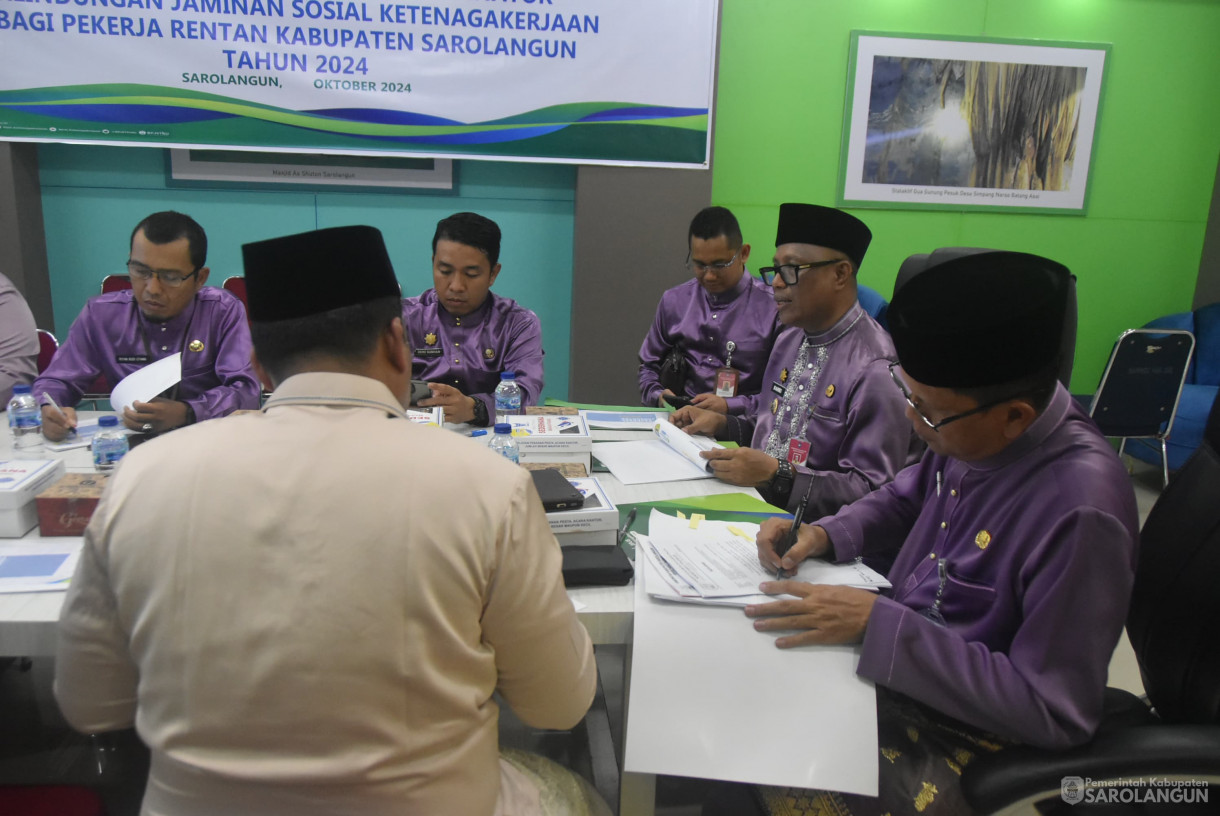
pixel 741 466
pixel 825 614
pixel 158 416
pixel 458 407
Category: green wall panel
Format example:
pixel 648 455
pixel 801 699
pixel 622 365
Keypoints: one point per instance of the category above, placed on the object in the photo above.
pixel 781 93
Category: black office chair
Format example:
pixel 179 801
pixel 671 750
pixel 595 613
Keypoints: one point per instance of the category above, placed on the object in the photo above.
pixel 1174 628
pixel 915 264
pixel 1139 391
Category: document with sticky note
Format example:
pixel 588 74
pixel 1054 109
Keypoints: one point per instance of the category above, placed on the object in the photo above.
pixel 700 561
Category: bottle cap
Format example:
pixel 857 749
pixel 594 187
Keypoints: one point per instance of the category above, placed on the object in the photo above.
pixel 479 432
pixel 21 389
pixel 504 428
pixel 108 421
pixel 508 375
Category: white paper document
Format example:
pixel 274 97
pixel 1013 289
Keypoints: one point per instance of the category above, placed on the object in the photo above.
pixel 716 562
pixel 38 567
pixel 671 455
pixel 145 383
pixel 713 698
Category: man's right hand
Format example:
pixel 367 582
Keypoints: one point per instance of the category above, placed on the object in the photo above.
pixel 56 425
pixel 699 421
pixel 811 542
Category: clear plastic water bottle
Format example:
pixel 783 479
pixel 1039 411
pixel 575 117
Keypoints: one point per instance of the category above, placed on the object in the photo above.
pixel 24 418
pixel 109 444
pixel 508 397
pixel 504 444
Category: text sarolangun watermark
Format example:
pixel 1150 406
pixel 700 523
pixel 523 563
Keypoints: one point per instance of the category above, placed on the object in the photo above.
pixel 1133 790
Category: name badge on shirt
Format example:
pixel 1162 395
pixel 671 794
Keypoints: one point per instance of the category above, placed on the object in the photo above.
pixel 778 389
pixel 726 382
pixel 131 358
pixel 798 451
pixel 428 353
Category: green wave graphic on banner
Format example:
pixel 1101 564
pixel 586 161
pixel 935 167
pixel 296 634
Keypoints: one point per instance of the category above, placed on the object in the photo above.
pixel 128 112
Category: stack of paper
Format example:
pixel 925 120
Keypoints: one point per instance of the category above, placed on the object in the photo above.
pixel 671 455
pixel 716 562
pixel 623 420
pixel 37 567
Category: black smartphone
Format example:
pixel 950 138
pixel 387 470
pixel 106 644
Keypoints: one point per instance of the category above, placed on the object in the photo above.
pixel 676 401
pixel 556 492
pixel 419 391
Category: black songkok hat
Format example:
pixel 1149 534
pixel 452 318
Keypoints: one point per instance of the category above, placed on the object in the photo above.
pixel 314 272
pixel 825 227
pixel 981 319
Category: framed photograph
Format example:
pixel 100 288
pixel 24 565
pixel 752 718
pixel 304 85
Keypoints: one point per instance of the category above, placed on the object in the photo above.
pixel 953 124
pixel 248 168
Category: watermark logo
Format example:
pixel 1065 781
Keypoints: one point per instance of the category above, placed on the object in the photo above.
pixel 1075 790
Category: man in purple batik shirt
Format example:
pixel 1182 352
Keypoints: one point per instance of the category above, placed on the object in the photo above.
pixel 461 334
pixel 828 428
pixel 167 310
pixel 1015 539
pixel 723 319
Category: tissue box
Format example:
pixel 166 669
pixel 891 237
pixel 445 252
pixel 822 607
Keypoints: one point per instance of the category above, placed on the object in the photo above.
pixel 64 508
pixel 20 481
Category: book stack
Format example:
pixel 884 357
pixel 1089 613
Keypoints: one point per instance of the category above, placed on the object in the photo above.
pixel 594 523
pixel 553 439
pixel 21 480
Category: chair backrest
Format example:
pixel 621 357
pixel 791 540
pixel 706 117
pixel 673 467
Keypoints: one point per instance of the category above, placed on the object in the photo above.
pixel 1174 620
pixel 47 346
pixel 872 302
pixel 236 285
pixel 115 283
pixel 1140 388
pixel 915 264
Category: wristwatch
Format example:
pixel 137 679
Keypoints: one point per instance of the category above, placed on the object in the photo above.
pixel 780 485
pixel 480 413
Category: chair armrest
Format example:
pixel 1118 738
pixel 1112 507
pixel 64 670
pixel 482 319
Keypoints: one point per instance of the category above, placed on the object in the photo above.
pixel 993 782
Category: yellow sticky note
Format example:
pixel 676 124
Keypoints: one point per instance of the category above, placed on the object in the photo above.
pixel 681 515
pixel 737 531
pixel 695 518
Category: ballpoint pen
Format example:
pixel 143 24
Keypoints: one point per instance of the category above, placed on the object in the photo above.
pixel 789 538
pixel 49 400
pixel 626 528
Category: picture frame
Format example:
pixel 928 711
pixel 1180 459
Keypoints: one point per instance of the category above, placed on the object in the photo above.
pixel 946 123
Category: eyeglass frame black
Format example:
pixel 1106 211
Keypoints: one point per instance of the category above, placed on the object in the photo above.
pixel 936 426
pixel 767 273
pixel 159 274
pixel 718 266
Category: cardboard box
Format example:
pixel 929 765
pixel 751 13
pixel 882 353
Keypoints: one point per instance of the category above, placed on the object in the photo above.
pixel 553 439
pixel 595 523
pixel 64 508
pixel 20 481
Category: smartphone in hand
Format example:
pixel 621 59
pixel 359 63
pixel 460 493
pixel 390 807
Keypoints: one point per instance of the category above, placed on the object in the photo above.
pixel 419 391
pixel 676 401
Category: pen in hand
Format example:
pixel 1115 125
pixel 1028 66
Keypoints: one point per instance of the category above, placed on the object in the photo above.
pixel 789 538
pixel 49 400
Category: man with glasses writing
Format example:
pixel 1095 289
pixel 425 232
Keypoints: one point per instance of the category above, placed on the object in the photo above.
pixel 167 310
pixel 828 427
pixel 1015 540
pixel 721 323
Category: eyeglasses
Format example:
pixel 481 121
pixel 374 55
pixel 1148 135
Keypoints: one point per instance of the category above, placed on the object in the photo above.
pixel 936 426
pixel 717 266
pixel 789 272
pixel 168 277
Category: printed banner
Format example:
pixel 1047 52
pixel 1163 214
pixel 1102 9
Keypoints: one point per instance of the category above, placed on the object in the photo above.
pixel 581 81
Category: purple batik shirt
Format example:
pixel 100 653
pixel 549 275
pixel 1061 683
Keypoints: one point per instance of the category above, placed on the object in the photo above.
pixel 469 352
pixel 843 402
pixel 111 337
pixel 704 323
pixel 1038 548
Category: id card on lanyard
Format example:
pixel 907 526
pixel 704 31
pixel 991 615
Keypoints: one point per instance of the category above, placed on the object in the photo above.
pixel 798 452
pixel 728 379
